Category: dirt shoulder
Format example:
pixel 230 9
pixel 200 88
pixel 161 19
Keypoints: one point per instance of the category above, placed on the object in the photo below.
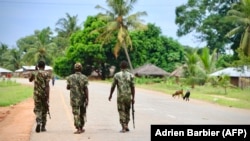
pixel 16 121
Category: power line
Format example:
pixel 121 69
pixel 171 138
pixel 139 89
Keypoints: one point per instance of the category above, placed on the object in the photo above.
pixel 69 4
pixel 44 3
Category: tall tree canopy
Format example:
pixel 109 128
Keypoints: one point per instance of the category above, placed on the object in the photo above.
pixel 37 47
pixel 205 18
pixel 150 46
pixel 239 16
pixel 84 49
pixel 120 22
pixel 65 27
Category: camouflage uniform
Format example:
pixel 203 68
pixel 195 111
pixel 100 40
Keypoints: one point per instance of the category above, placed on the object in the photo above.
pixel 41 83
pixel 77 82
pixel 125 80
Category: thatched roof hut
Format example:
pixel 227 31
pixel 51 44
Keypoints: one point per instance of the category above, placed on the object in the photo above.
pixel 179 72
pixel 150 70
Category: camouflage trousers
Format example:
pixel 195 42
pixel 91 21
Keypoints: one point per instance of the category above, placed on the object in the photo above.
pixel 40 111
pixel 79 113
pixel 124 106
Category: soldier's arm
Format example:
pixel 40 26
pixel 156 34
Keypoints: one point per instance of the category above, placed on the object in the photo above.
pixel 112 89
pixel 47 89
pixel 68 84
pixel 86 91
pixel 32 77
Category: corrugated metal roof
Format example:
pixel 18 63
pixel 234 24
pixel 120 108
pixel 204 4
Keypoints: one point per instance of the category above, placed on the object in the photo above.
pixel 4 70
pixel 233 72
pixel 27 68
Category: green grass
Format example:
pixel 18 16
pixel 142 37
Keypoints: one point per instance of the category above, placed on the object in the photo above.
pixel 12 93
pixel 234 97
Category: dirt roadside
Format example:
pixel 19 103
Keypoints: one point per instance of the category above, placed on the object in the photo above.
pixel 16 121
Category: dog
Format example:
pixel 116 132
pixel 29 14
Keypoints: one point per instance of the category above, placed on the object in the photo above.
pixel 178 93
pixel 186 96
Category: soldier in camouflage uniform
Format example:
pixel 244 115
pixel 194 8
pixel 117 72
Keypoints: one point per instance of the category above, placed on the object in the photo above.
pixel 41 80
pixel 124 81
pixel 77 83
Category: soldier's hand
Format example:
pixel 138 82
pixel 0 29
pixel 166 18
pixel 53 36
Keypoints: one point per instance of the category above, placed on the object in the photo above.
pixel 133 101
pixel 68 87
pixel 87 102
pixel 110 97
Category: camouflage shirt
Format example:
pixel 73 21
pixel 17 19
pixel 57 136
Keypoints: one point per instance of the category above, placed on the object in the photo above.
pixel 77 82
pixel 41 81
pixel 125 80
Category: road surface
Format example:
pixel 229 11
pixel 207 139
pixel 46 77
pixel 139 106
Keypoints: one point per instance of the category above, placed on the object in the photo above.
pixel 150 108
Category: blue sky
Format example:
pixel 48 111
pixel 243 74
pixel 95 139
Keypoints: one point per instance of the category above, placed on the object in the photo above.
pixel 20 18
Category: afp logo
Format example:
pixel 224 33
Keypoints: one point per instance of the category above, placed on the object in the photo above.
pixel 234 133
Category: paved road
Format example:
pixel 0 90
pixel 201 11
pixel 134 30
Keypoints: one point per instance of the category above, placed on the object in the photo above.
pixel 150 108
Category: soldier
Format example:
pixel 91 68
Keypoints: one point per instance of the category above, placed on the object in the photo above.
pixel 124 81
pixel 41 80
pixel 77 83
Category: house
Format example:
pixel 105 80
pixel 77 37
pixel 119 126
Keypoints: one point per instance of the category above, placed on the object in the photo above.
pixel 178 73
pixel 4 73
pixel 26 70
pixel 150 70
pixel 239 77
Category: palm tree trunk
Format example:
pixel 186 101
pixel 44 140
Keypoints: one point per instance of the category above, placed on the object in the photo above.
pixel 128 58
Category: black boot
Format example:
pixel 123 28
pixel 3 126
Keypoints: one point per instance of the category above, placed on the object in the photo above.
pixel 38 127
pixel 43 129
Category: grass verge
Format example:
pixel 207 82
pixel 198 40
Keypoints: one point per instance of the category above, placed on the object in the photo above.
pixel 12 93
pixel 232 97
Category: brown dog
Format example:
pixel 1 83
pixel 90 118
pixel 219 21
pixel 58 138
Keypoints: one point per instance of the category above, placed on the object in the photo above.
pixel 178 93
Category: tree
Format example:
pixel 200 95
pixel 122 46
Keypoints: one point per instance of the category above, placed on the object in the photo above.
pixel 14 57
pixel 40 47
pixel 205 18
pixel 192 67
pixel 3 50
pixel 119 23
pixel 239 15
pixel 208 61
pixel 150 46
pixel 224 82
pixel 84 49
pixel 67 26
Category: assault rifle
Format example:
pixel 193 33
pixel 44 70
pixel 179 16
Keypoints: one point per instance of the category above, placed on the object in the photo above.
pixel 133 114
pixel 47 107
pixel 47 89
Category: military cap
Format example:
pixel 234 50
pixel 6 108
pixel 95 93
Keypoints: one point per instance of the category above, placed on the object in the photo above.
pixel 78 66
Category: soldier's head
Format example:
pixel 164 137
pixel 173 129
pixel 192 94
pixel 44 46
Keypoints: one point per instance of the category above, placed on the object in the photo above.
pixel 41 64
pixel 124 65
pixel 78 66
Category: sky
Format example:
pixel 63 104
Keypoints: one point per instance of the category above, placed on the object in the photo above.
pixel 20 18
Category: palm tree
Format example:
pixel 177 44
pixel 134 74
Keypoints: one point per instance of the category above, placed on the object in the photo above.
pixel 239 14
pixel 207 60
pixel 3 49
pixel 14 59
pixel 192 66
pixel 67 26
pixel 119 21
pixel 42 49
